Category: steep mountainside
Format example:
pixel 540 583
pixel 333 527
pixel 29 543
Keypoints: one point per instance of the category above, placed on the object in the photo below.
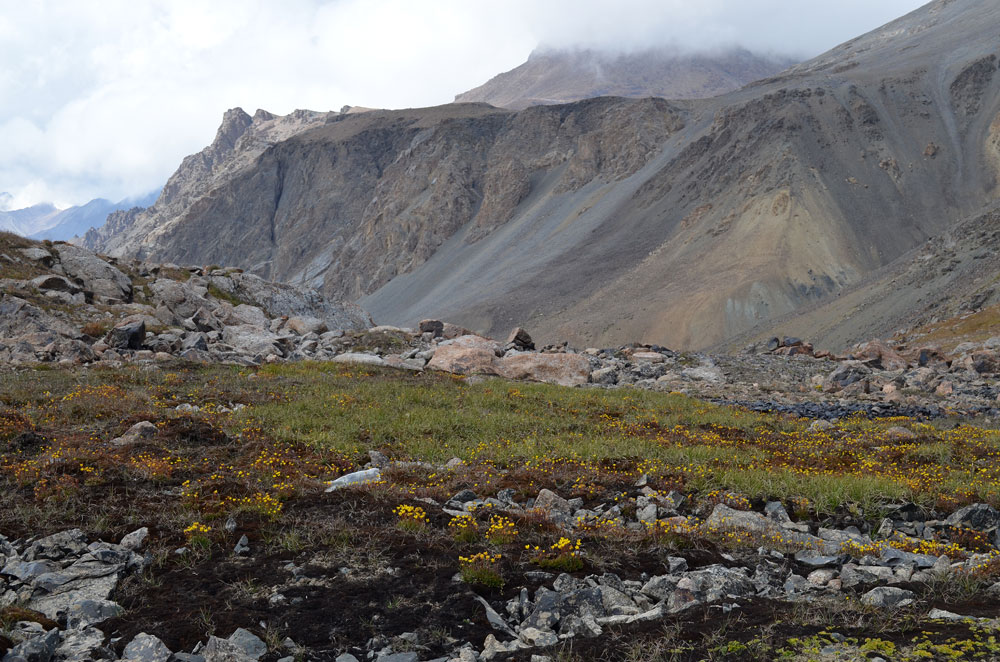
pixel 614 220
pixel 949 276
pixel 238 142
pixel 561 76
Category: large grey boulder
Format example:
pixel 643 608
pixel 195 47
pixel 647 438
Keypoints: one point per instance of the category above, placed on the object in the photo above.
pixel 182 301
pixel 93 576
pixel 547 611
pixel 979 516
pixel 82 645
pixel 888 597
pixel 141 431
pixel 562 369
pixel 37 649
pixel 251 340
pixel 91 612
pixel 465 360
pixel 38 254
pixel 251 315
pixel 52 282
pixel 724 518
pixel 127 334
pixel 306 325
pixel 18 319
pixel 359 358
pixel 553 505
pixel 709 584
pixel 364 477
pixel 195 340
pixel 224 650
pixel 252 645
pixel 146 648
pixel 137 539
pixel 95 274
pixel 57 546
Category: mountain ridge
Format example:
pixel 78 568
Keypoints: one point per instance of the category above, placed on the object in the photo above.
pixel 607 220
pixel 562 76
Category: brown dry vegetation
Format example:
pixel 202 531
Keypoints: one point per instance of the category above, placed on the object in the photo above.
pixel 266 465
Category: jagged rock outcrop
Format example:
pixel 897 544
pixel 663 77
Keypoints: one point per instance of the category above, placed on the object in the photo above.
pixel 84 308
pixel 612 220
pixel 553 76
pixel 238 142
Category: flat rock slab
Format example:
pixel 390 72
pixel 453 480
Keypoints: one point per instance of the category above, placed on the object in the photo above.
pixel 459 360
pixel 561 369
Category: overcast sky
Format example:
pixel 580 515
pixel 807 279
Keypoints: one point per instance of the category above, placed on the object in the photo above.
pixel 103 99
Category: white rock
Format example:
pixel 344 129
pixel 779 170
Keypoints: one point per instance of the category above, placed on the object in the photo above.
pixel 357 358
pixel 356 478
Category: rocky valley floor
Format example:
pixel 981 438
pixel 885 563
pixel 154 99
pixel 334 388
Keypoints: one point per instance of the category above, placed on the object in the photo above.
pixel 197 465
pixel 338 511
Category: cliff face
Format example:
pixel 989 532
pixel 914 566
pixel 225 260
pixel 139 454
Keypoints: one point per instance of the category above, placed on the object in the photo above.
pixel 238 142
pixel 348 206
pixel 614 220
pixel 563 76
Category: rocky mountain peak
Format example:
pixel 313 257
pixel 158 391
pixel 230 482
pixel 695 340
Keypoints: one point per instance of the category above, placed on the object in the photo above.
pixel 553 76
pixel 235 122
pixel 238 142
pixel 262 115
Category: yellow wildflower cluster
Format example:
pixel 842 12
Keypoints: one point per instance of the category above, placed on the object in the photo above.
pixel 931 547
pixel 197 529
pixel 481 569
pixel 859 549
pixel 481 557
pixel 411 518
pixel 562 555
pixel 465 528
pixel 599 527
pixel 501 530
pixel 260 502
pixel 731 499
pixel 153 467
pixel 683 527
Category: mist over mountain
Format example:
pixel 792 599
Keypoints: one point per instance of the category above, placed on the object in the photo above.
pixel 561 76
pixel 610 220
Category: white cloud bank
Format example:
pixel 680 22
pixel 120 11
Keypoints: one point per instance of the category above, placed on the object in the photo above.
pixel 104 99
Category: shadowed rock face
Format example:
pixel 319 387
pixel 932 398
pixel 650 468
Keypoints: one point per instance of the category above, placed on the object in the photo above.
pixel 238 142
pixel 613 220
pixel 563 76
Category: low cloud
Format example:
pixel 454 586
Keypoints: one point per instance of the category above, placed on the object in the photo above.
pixel 104 100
